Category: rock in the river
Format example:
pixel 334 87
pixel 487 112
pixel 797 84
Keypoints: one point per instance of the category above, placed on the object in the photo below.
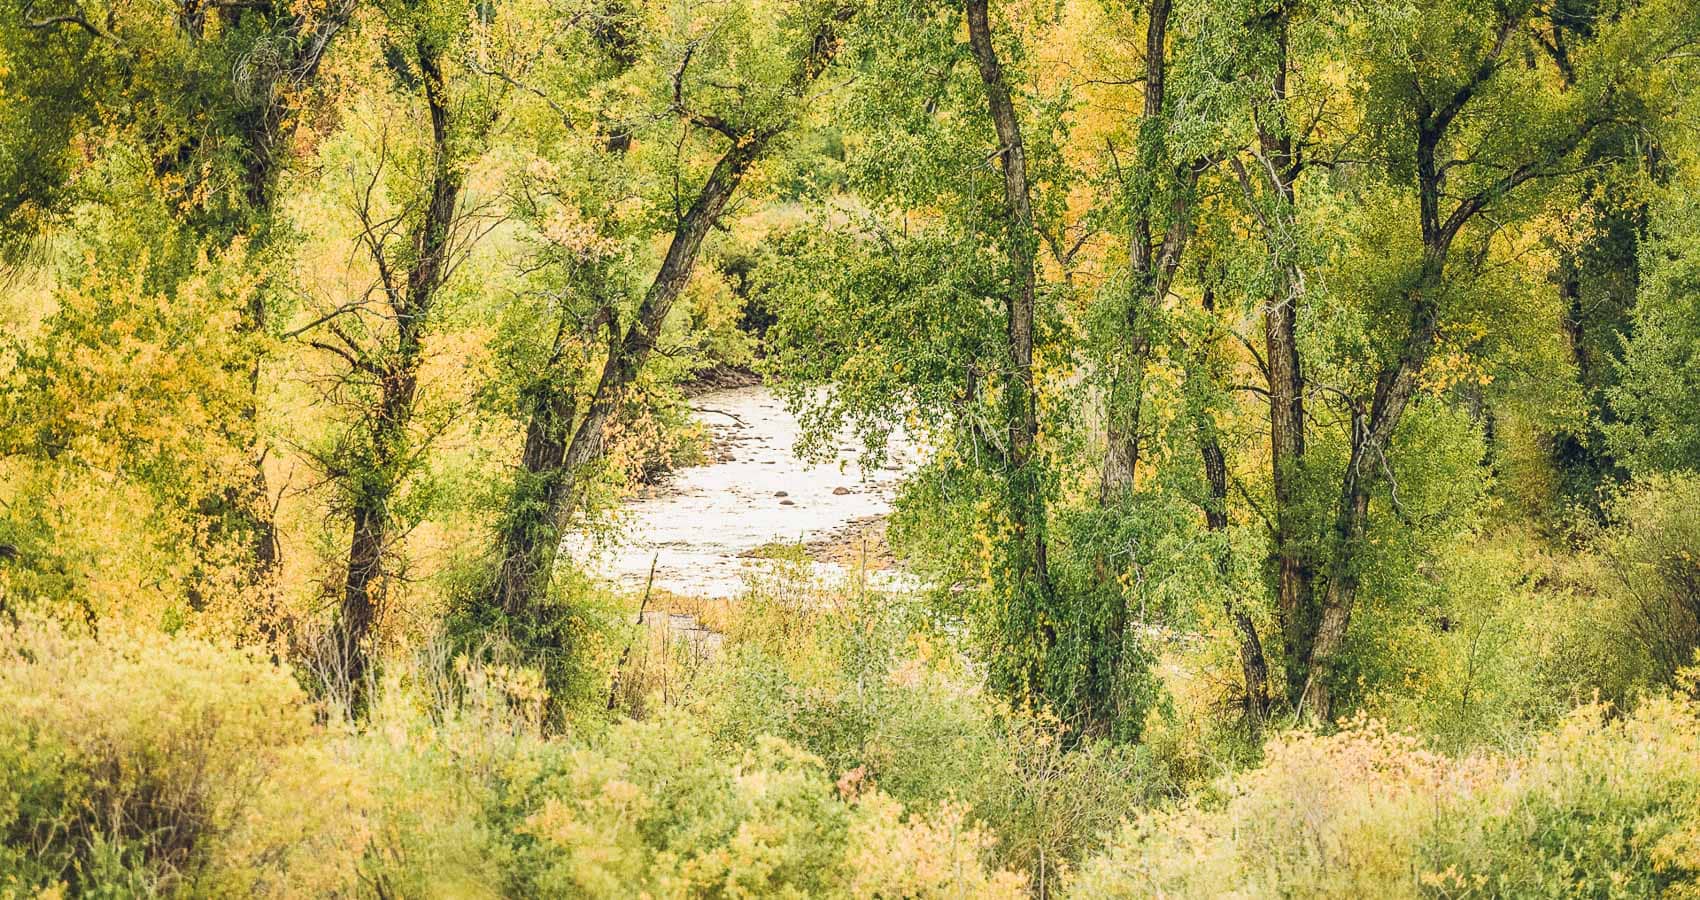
pixel 840 491
pixel 781 493
pixel 787 503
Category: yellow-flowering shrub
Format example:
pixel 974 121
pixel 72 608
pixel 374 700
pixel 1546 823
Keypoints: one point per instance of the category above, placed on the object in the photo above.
pixel 140 763
pixel 1605 806
pixel 923 857
pixel 859 680
pixel 653 809
pixel 124 759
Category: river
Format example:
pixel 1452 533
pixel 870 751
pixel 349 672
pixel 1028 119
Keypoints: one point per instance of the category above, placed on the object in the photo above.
pixel 701 525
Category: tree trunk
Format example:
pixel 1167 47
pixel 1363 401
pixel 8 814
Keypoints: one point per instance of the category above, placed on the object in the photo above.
pixel 542 490
pixel 1254 667
pixel 1151 269
pixel 1370 440
pixel 1027 501
pixel 1295 572
pixel 531 540
pixel 1290 557
pixel 398 381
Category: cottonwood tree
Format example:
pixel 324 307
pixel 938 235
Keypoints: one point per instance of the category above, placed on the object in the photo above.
pixel 930 294
pixel 1020 394
pixel 1468 126
pixel 195 103
pixel 414 224
pixel 726 98
pixel 1163 163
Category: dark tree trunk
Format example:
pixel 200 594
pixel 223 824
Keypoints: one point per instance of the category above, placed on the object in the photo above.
pixel 1151 265
pixel 1254 667
pixel 531 542
pixel 397 372
pixel 541 513
pixel 1295 572
pixel 529 534
pixel 1396 383
pixel 1291 557
pixel 1022 421
pixel 1371 438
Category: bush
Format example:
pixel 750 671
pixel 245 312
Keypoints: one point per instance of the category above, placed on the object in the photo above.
pixel 1651 556
pixel 123 761
pixel 142 764
pixel 654 809
pixel 1605 806
pixel 862 681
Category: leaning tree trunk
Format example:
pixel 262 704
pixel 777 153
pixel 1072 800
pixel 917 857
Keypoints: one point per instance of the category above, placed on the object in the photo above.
pixel 540 515
pixel 1371 438
pixel 530 543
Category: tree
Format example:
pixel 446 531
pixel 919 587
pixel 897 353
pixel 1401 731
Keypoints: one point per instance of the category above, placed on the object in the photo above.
pixel 200 102
pixel 415 227
pixel 1438 135
pixel 1021 416
pixel 560 443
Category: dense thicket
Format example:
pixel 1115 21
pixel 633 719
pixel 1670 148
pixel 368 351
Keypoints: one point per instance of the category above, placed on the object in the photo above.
pixel 1287 372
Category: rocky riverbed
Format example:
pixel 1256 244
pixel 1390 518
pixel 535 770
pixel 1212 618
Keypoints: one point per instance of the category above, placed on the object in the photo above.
pixel 707 526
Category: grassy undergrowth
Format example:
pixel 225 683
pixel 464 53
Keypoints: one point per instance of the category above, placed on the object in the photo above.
pixel 833 744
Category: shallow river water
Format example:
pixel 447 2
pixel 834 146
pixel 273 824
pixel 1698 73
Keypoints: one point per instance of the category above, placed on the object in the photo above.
pixel 701 524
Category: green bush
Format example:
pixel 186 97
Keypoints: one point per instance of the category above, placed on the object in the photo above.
pixel 144 764
pixel 471 800
pixel 862 681
pixel 1650 557
pixel 123 761
pixel 1607 806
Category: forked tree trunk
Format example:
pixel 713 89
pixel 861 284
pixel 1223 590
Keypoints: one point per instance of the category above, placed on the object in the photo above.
pixel 1396 383
pixel 531 542
pixel 397 373
pixel 1151 265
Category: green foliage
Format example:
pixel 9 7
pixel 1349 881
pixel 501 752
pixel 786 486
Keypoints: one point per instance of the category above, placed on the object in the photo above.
pixel 274 273
pixel 1657 430
pixel 862 681
pixel 572 643
pixel 124 761
pixel 1605 806
pixel 1650 562
pixel 169 766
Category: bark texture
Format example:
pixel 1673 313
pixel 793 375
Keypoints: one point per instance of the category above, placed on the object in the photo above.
pixel 411 296
pixel 1152 261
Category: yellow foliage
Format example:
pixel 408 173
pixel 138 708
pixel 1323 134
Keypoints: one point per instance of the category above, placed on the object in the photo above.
pixel 1604 806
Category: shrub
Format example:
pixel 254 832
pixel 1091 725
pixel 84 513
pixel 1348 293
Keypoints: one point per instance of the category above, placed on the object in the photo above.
pixel 124 760
pixel 862 681
pixel 1605 806
pixel 653 809
pixel 1651 556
